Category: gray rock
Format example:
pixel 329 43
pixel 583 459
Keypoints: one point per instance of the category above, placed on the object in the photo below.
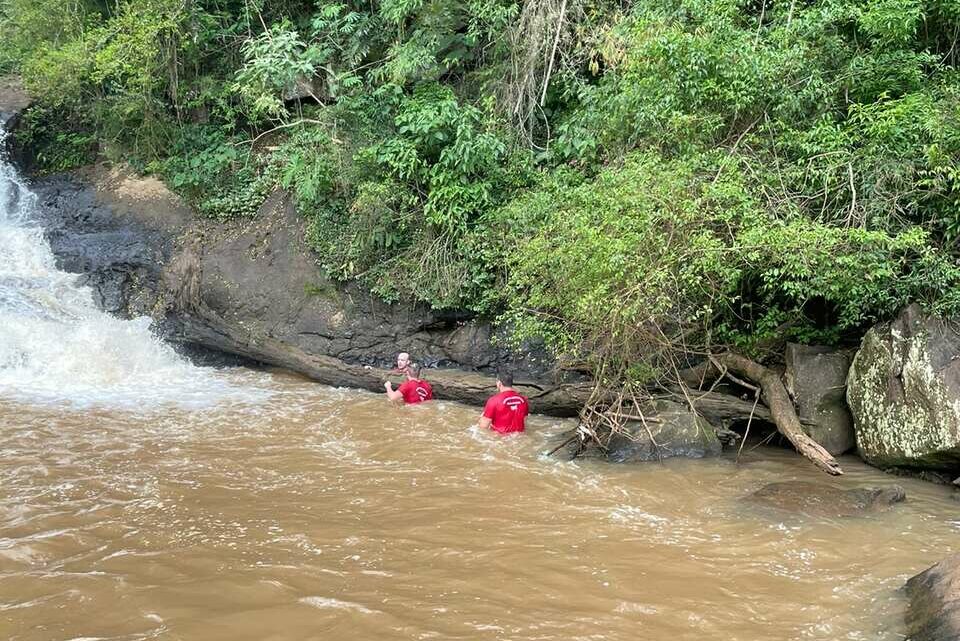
pixel 816 378
pixel 676 432
pixel 904 392
pixel 306 86
pixel 119 260
pixel 13 99
pixel 819 499
pixel 934 610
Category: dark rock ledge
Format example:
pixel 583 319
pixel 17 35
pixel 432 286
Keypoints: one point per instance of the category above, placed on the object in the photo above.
pixel 252 288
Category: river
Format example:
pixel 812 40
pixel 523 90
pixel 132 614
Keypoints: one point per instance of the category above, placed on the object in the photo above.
pixel 142 497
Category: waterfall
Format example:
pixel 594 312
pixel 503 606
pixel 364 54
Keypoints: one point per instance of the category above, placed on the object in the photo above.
pixel 56 345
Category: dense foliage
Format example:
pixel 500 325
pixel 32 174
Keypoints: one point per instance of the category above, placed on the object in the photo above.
pixel 616 178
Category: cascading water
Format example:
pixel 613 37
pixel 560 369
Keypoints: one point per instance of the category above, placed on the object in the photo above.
pixel 55 344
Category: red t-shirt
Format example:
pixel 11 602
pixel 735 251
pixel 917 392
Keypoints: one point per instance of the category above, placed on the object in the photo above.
pixel 507 411
pixel 415 391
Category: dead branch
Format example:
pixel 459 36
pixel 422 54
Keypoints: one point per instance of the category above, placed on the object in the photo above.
pixel 781 408
pixel 746 432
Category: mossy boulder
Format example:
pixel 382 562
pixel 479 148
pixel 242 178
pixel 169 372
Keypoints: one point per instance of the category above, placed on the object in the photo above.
pixel 903 390
pixel 675 432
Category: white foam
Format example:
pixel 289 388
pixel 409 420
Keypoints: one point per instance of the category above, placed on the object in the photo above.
pixel 336 604
pixel 56 345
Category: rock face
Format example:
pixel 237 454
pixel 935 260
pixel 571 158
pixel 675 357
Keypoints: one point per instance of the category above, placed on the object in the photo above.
pixel 252 288
pixel 934 610
pixel 13 99
pixel 904 392
pixel 818 499
pixel 816 378
pixel 120 257
pixel 676 432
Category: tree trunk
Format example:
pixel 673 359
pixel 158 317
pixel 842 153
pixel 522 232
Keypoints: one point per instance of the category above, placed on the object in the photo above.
pixel 718 407
pixel 776 398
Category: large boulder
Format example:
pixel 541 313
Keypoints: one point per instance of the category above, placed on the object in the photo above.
pixel 820 499
pixel 904 392
pixel 816 378
pixel 934 610
pixel 675 431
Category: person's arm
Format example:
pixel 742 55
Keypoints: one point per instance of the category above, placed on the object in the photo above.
pixel 486 419
pixel 393 394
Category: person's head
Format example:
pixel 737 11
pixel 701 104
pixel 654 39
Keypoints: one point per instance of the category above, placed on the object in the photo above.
pixel 413 371
pixel 403 360
pixel 504 380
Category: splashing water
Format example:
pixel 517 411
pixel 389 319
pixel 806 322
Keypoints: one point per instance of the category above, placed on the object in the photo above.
pixel 56 345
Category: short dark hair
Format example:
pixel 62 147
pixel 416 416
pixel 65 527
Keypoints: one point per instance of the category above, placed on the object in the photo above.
pixel 414 369
pixel 505 377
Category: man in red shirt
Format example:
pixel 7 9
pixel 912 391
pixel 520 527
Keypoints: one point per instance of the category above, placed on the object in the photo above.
pixel 412 390
pixel 506 410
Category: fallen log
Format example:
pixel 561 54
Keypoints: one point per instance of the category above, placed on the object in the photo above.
pixel 774 395
pixel 719 408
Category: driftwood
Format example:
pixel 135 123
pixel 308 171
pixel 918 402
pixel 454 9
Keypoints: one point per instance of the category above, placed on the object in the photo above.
pixel 781 409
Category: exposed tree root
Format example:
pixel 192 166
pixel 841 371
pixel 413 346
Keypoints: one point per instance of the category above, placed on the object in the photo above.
pixel 775 397
pixel 612 405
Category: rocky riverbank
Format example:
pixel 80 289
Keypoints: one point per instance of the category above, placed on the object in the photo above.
pixel 251 288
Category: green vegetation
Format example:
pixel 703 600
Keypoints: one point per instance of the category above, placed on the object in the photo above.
pixel 615 178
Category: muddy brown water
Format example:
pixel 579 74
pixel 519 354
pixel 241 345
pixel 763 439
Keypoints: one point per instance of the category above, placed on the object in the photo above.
pixel 318 513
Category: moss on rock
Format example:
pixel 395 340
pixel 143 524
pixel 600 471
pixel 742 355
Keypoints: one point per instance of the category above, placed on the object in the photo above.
pixel 904 395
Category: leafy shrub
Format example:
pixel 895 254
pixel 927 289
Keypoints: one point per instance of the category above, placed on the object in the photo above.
pixel 219 175
pixel 419 194
pixel 52 145
pixel 659 255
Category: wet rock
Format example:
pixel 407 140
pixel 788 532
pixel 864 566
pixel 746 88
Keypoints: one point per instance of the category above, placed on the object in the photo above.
pixel 904 393
pixel 13 100
pixel 818 499
pixel 934 610
pixel 816 378
pixel 120 260
pixel 676 431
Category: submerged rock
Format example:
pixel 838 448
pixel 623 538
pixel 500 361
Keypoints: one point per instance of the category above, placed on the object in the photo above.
pixel 934 610
pixel 816 378
pixel 904 393
pixel 676 432
pixel 818 499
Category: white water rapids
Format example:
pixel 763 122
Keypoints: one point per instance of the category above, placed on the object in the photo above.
pixel 56 345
